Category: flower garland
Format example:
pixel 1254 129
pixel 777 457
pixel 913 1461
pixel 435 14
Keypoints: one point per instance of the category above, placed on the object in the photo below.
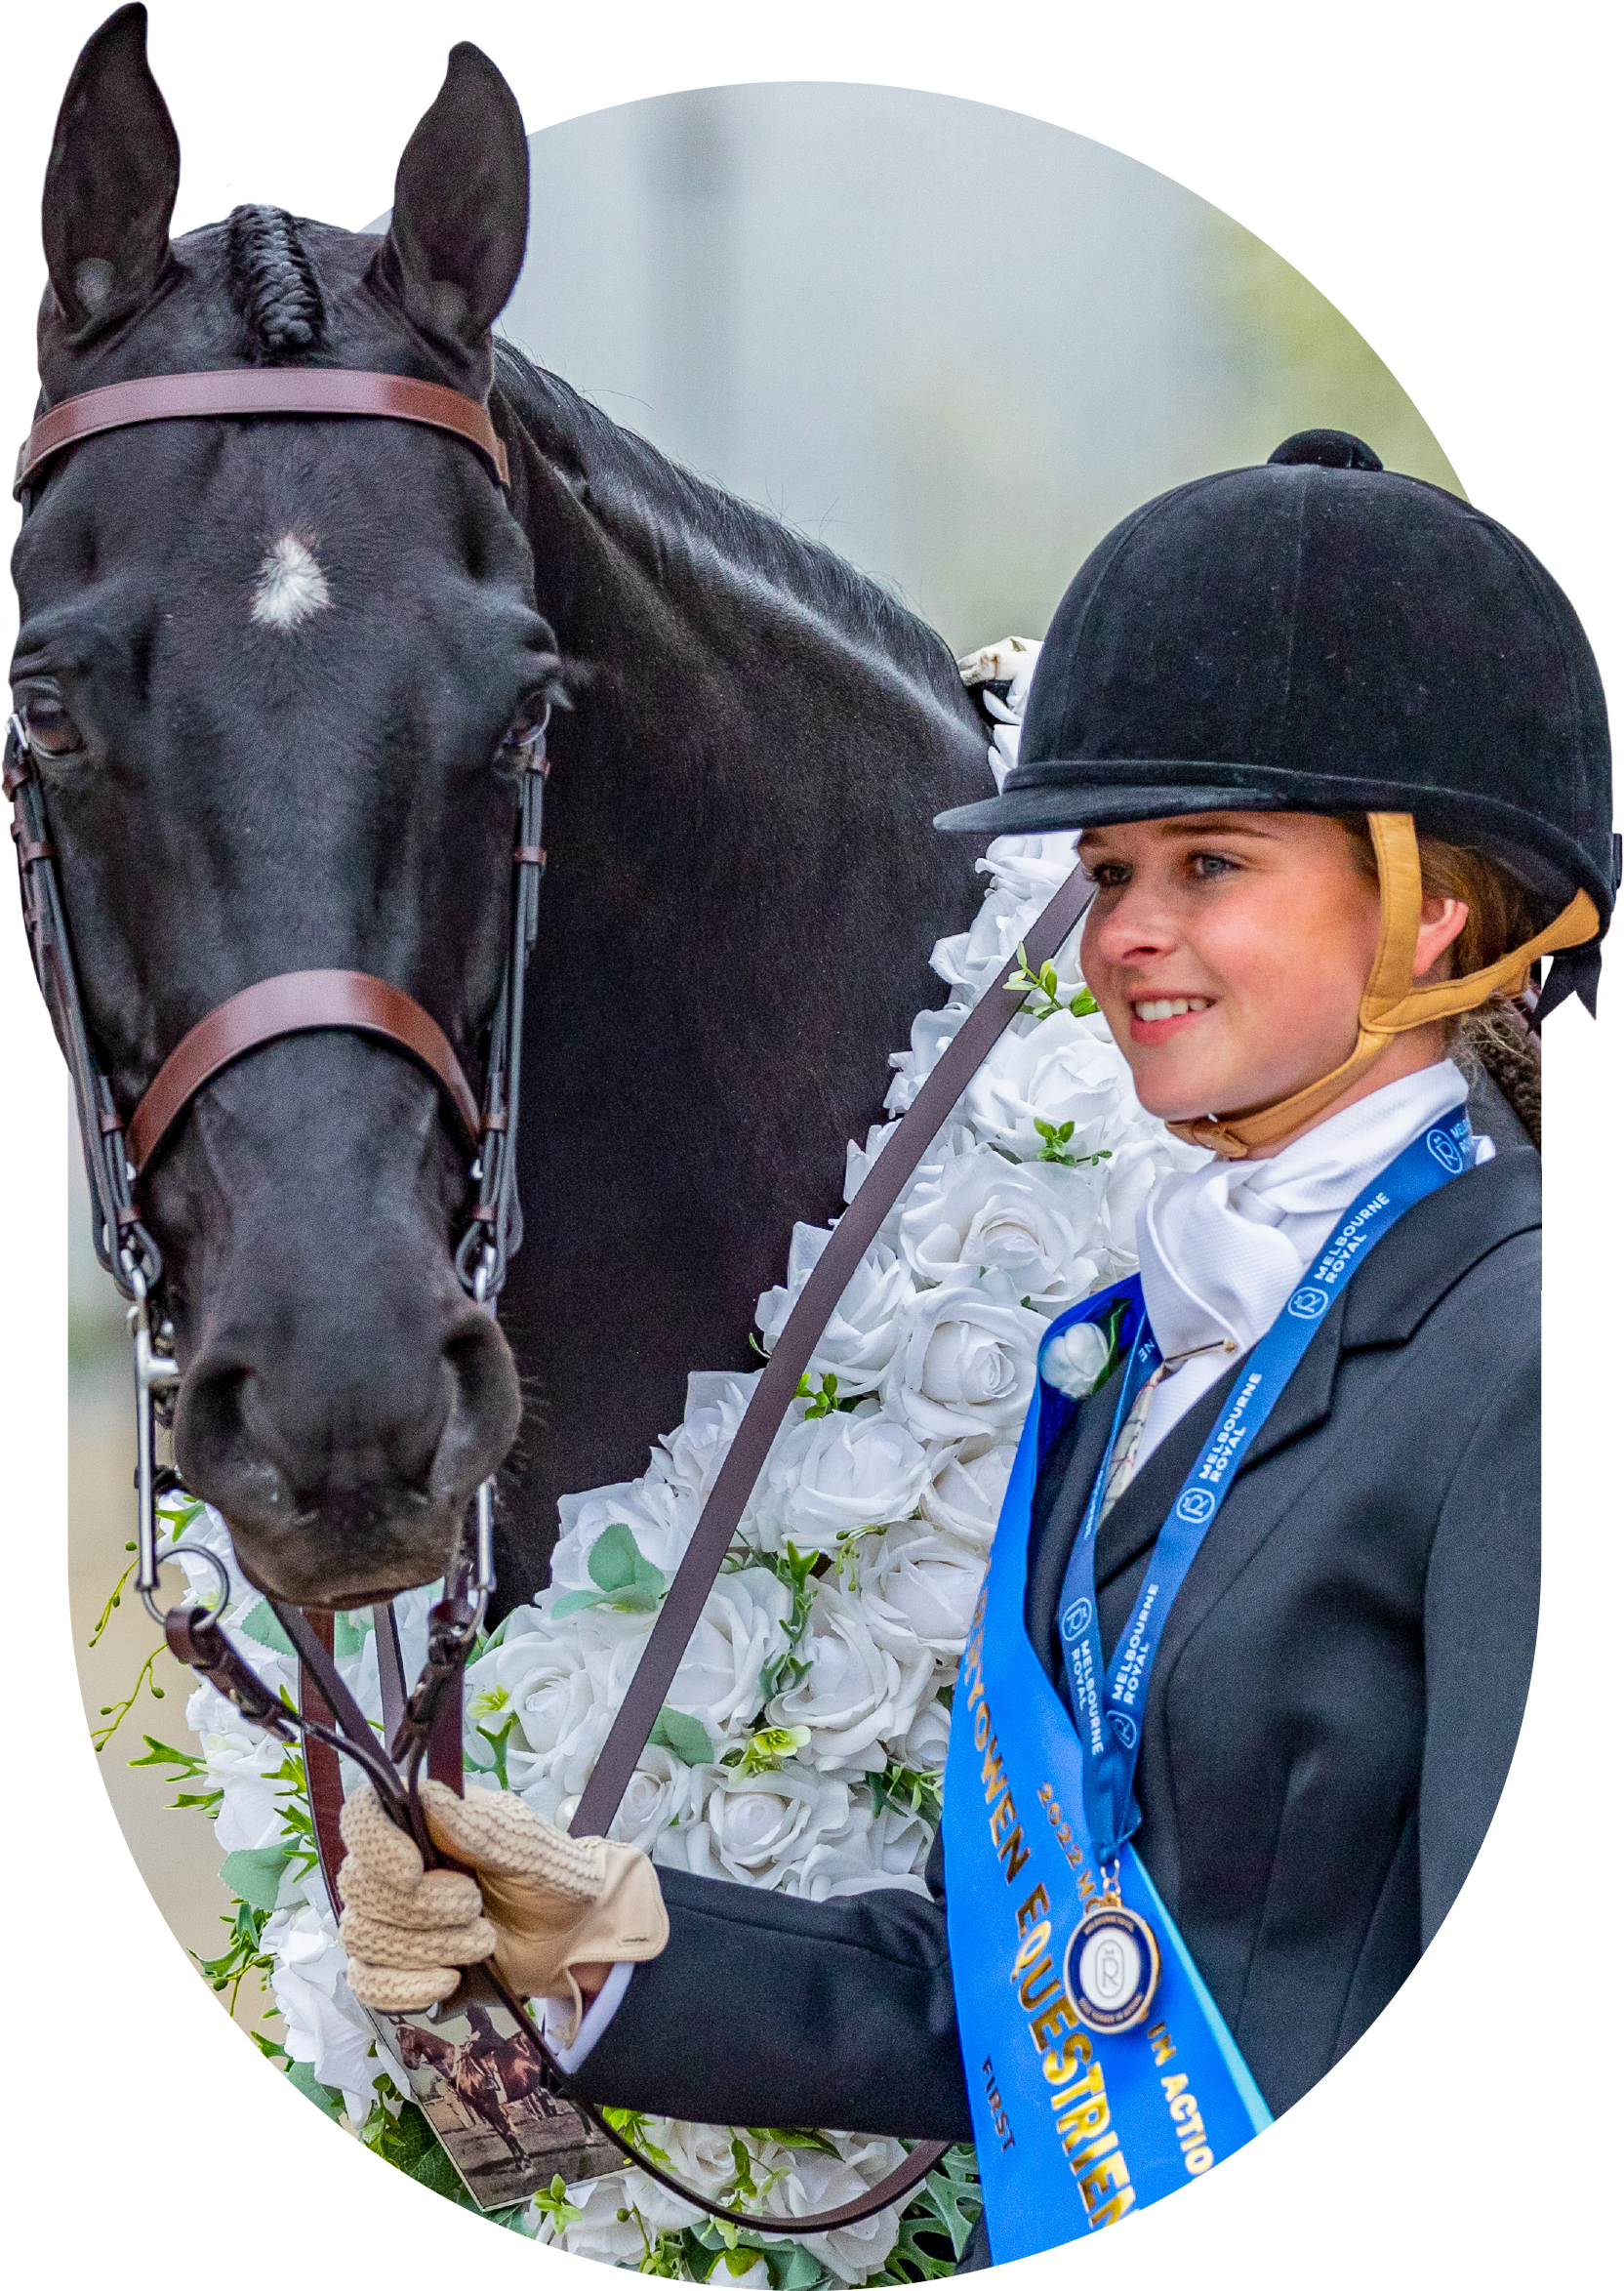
pixel 803 1744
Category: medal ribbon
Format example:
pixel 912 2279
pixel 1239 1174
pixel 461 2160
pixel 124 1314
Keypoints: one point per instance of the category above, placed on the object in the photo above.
pixel 1109 1704
pixel 1076 2128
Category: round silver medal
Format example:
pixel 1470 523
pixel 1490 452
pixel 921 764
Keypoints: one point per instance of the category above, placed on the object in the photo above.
pixel 1112 1968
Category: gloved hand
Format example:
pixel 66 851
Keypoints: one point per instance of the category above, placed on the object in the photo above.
pixel 540 1903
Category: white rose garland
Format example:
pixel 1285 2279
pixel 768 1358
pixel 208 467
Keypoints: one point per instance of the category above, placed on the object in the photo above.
pixel 804 1741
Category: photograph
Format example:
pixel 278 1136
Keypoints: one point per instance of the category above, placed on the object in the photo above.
pixel 763 841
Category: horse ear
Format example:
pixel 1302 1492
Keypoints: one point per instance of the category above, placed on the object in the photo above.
pixel 111 179
pixel 462 206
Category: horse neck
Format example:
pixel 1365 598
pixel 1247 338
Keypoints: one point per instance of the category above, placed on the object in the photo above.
pixel 739 700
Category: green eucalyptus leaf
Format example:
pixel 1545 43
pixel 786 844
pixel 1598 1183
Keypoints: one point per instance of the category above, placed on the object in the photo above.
pixel 684 1737
pixel 254 1874
pixel 349 1632
pixel 302 2076
pixel 262 1626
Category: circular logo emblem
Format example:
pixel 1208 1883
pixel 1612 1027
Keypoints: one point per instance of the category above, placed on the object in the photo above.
pixel 1308 1304
pixel 1125 1729
pixel 1112 1969
pixel 1075 1619
pixel 1196 1506
pixel 1445 1152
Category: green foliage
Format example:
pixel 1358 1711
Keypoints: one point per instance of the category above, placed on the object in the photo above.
pixel 1112 1346
pixel 1057 1140
pixel 407 2141
pixel 791 2267
pixel 349 1632
pixel 632 2126
pixel 188 1768
pixel 260 1626
pixel 115 1599
pixel 498 1740
pixel 907 1791
pixel 936 2226
pixel 1042 990
pixel 116 1712
pixel 822 1399
pixel 767 1749
pixel 626 1582
pixel 553 2202
pixel 303 2078
pixel 684 1737
pixel 242 1953
pixel 796 1571
pixel 255 1874
pixel 795 2136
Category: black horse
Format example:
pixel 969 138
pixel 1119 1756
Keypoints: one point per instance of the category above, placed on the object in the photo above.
pixel 277 670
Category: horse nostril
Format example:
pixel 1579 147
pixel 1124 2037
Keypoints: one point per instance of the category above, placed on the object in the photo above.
pixel 483 1420
pixel 218 1456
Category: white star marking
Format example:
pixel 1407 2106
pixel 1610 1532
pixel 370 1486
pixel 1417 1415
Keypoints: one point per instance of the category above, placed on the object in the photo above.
pixel 292 588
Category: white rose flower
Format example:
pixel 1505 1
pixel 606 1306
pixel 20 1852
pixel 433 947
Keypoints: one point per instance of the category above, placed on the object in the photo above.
pixel 1075 1360
pixel 1034 1221
pixel 928 1036
pixel 862 1332
pixel 659 1797
pixel 755 1829
pixel 865 1854
pixel 601 2232
pixel 563 1685
pixel 849 1469
pixel 983 955
pixel 741 1629
pixel 692 1455
pixel 325 2025
pixel 924 1747
pixel 855 1693
pixel 955 1137
pixel 965 1493
pixel 1056 1070
pixel 661 1514
pixel 918 1589
pixel 1031 868
pixel 241 1761
pixel 966 1361
pixel 820 2182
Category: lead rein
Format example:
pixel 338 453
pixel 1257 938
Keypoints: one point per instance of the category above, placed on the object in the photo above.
pixel 425 1726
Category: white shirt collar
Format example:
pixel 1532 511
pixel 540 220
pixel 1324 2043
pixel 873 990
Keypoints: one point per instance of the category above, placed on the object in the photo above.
pixel 1221 1246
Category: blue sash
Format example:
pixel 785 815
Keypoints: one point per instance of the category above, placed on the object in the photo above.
pixel 1073 2130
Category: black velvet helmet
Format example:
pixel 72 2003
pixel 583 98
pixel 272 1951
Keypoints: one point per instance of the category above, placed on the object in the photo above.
pixel 1323 635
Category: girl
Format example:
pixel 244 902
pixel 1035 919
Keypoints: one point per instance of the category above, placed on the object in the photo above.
pixel 1252 1654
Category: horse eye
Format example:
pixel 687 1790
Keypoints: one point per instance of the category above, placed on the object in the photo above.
pixel 52 731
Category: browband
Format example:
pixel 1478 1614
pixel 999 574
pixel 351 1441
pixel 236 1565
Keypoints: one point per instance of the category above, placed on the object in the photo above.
pixel 299 1001
pixel 241 391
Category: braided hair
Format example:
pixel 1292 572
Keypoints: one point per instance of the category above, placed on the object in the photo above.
pixel 272 282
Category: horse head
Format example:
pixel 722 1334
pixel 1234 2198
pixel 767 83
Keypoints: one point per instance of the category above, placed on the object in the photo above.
pixel 277 676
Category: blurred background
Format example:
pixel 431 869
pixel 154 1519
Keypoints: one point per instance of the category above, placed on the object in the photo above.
pixel 951 342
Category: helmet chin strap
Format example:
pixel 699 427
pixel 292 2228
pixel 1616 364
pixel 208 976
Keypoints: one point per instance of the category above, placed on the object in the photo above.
pixel 1391 1002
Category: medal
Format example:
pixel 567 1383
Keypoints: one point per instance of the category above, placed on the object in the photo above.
pixel 1112 1965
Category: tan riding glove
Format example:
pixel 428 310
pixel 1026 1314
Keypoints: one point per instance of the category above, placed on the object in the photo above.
pixel 539 1902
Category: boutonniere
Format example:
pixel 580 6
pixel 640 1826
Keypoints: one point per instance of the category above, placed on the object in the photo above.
pixel 1083 1358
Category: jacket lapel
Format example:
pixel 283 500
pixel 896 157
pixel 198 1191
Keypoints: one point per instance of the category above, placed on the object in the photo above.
pixel 1431 1248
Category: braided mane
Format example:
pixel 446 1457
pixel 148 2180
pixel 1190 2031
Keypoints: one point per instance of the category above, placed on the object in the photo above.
pixel 272 282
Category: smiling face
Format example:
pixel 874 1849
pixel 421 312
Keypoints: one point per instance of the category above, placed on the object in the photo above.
pixel 1228 951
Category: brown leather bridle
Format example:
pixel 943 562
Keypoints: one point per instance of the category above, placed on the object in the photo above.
pixel 422 1727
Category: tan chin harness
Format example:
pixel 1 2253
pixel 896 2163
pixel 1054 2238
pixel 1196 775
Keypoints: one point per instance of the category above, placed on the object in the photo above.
pixel 1391 1002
